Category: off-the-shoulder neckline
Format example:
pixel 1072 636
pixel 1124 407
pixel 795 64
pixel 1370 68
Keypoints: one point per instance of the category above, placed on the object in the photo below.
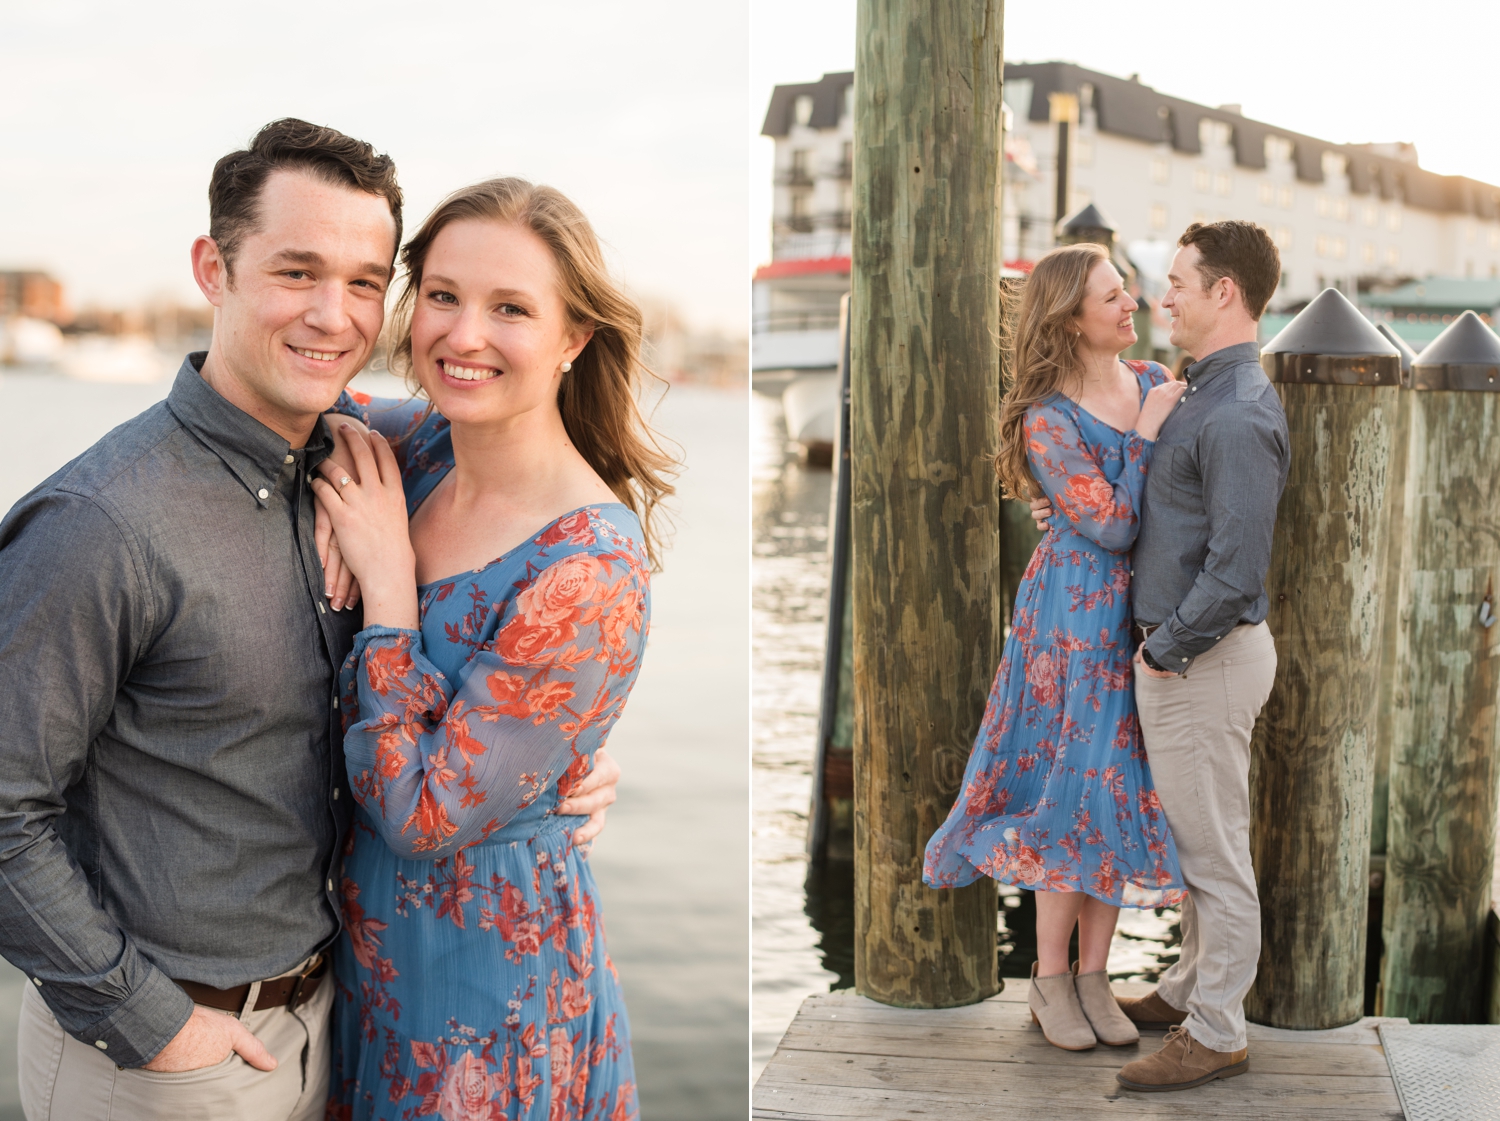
pixel 529 539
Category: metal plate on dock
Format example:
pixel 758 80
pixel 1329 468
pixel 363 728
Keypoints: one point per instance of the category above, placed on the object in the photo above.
pixel 1445 1072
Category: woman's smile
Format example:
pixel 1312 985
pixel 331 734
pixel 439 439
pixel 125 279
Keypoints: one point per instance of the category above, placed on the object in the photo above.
pixel 455 371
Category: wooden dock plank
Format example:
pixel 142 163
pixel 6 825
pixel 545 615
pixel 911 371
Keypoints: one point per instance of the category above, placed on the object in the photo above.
pixel 848 1057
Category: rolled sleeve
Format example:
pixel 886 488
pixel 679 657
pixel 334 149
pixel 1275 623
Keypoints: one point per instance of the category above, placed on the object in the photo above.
pixel 76 615
pixel 1242 457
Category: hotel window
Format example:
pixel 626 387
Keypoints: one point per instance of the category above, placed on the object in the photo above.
pixel 1158 216
pixel 1267 193
pixel 1372 215
pixel 1283 238
pixel 1161 170
pixel 1341 209
pixel 1368 252
pixel 1333 165
pixel 1392 256
pixel 1083 153
pixel 1213 133
pixel 1278 149
pixel 1495 237
pixel 1223 184
pixel 1320 247
pixel 1393 220
pixel 1287 197
pixel 849 100
pixel 1201 179
pixel 1321 206
pixel 1338 247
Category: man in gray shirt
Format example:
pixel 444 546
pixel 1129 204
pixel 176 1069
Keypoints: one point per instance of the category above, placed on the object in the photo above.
pixel 1205 660
pixel 172 791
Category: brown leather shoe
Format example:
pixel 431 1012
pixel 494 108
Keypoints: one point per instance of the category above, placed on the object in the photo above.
pixel 1151 1012
pixel 1182 1062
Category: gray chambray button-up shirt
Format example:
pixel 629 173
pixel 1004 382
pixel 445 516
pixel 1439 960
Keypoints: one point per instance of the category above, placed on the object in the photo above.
pixel 169 758
pixel 1216 476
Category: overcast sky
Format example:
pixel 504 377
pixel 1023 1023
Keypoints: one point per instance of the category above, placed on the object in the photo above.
pixel 113 114
pixel 1345 72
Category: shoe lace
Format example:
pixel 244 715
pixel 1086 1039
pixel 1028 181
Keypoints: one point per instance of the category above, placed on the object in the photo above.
pixel 1176 1032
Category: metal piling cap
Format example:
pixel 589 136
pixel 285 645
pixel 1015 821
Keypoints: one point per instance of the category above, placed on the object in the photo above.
pixel 1408 355
pixel 1331 343
pixel 1465 357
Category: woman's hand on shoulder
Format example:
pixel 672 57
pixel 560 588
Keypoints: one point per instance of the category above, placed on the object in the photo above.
pixel 1159 403
pixel 339 584
pixel 366 505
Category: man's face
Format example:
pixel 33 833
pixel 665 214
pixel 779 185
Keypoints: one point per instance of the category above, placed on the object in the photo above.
pixel 1195 310
pixel 307 299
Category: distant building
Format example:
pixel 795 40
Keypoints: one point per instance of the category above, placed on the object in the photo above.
pixel 795 298
pixel 32 294
pixel 1358 217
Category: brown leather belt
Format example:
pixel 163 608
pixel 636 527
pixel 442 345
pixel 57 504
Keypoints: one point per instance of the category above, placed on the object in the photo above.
pixel 283 992
pixel 1139 634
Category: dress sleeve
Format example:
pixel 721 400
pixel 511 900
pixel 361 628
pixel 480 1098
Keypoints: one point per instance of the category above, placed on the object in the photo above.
pixel 1069 473
pixel 392 417
pixel 442 764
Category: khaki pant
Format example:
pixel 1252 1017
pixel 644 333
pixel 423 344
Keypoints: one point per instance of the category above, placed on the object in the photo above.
pixel 1196 730
pixel 65 1080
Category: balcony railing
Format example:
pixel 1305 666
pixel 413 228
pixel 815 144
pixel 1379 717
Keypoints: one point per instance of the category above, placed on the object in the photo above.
pixel 835 220
pixel 818 319
pixel 844 170
pixel 794 177
pixel 795 224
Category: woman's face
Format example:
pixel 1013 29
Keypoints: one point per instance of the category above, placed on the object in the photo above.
pixel 489 332
pixel 1104 320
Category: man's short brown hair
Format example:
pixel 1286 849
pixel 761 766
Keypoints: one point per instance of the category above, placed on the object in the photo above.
pixel 1243 252
pixel 290 144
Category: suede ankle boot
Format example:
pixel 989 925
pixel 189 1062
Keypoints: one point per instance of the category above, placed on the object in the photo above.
pixel 1055 1009
pixel 1111 1026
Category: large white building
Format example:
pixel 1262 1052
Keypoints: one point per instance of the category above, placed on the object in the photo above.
pixel 1359 217
pixel 1352 216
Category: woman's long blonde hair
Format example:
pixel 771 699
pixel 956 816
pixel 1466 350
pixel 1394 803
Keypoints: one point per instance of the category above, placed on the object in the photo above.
pixel 598 397
pixel 1044 361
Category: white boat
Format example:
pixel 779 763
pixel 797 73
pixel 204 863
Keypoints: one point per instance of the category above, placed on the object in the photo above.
pixel 128 359
pixel 811 406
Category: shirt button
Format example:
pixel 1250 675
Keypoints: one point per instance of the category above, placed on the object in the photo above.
pixel 335 798
pixel 290 458
pixel 99 1043
pixel 263 494
pixel 37 981
pixel 330 885
pixel 1184 659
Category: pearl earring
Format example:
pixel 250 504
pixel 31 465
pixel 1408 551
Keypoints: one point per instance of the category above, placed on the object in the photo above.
pixel 566 366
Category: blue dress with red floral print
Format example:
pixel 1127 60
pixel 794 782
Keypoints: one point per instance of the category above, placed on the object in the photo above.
pixel 472 977
pixel 1057 795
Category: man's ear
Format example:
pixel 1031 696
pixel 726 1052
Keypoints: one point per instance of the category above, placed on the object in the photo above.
pixel 1227 291
pixel 210 269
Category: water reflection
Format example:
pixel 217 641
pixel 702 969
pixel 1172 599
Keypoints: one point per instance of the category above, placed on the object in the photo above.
pixel 803 919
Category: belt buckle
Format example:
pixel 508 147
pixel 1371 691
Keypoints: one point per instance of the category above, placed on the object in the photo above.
pixel 295 998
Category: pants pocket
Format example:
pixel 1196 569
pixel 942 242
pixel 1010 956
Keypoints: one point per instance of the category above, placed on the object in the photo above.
pixel 1247 686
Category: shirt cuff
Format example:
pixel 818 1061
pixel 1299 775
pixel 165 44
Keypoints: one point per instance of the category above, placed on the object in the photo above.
pixel 139 1027
pixel 1171 656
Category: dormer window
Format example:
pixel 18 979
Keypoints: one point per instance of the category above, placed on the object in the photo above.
pixel 802 109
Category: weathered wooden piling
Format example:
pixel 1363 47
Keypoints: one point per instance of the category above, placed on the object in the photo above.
pixel 1440 845
pixel 925 394
pixel 1385 707
pixel 1313 748
pixel 830 822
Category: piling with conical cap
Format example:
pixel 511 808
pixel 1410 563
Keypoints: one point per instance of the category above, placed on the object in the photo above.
pixel 1087 225
pixel 1441 838
pixel 1310 776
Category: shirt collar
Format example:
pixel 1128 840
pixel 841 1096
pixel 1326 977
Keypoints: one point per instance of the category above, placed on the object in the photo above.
pixel 1201 371
pixel 254 454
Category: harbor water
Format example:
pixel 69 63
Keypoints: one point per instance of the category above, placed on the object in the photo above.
pixel 802 929
pixel 672 862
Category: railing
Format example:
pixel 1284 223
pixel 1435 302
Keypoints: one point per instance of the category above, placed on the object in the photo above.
pixel 794 177
pixel 835 220
pixel 795 224
pixel 843 169
pixel 817 319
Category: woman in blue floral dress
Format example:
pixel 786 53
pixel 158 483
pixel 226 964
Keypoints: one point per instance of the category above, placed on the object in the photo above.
pixel 1057 797
pixel 502 637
